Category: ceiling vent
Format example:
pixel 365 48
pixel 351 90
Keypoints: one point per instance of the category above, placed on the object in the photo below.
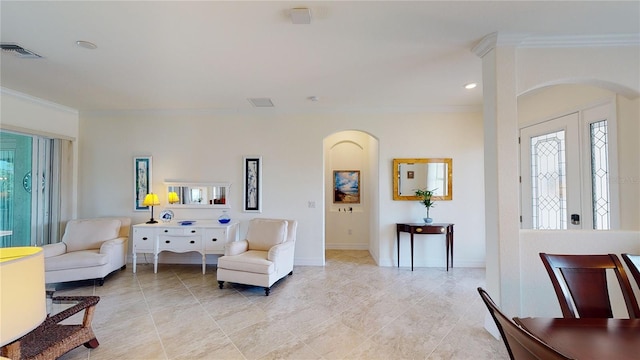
pixel 261 102
pixel 18 51
pixel 300 16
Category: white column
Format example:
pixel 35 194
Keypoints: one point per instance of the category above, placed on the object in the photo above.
pixel 501 171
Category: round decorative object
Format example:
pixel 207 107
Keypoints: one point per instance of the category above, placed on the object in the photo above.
pixel 224 218
pixel 428 220
pixel 26 182
pixel 166 215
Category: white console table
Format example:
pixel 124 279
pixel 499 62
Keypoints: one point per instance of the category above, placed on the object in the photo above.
pixel 203 236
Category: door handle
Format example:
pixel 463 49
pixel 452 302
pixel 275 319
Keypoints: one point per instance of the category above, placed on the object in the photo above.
pixel 575 219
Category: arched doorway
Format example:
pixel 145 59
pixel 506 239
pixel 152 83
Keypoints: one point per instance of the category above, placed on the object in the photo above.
pixel 351 162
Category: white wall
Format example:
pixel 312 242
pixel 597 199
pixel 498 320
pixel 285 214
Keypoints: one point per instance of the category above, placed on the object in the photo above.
pixel 203 146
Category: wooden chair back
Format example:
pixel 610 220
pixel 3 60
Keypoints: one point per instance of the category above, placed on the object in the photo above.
pixel 580 283
pixel 633 263
pixel 520 344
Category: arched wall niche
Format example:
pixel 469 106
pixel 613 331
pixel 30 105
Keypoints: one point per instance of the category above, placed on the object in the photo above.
pixel 351 226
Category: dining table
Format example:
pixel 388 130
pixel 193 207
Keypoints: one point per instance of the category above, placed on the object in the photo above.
pixel 587 338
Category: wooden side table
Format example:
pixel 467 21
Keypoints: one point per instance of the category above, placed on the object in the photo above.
pixel 431 229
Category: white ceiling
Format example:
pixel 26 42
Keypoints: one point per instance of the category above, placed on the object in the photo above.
pixel 210 55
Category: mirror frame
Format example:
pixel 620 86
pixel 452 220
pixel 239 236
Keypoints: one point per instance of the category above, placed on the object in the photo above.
pixel 225 185
pixel 396 177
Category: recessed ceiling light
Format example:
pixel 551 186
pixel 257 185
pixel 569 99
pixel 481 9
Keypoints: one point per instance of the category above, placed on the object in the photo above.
pixel 313 98
pixel 470 86
pixel 86 44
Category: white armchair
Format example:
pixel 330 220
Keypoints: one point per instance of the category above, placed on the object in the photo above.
pixel 264 257
pixel 90 249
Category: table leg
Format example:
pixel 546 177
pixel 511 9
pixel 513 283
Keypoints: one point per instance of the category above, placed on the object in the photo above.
pixel 155 263
pixel 412 251
pixel 451 244
pixel 447 249
pixel 204 262
pixel 135 257
pixel 398 239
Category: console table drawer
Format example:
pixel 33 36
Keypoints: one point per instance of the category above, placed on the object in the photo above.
pixel 180 231
pixel 179 243
pixel 429 229
pixel 143 240
pixel 214 240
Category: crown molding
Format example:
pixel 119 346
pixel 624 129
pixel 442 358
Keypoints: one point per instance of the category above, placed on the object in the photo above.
pixel 39 101
pixel 491 41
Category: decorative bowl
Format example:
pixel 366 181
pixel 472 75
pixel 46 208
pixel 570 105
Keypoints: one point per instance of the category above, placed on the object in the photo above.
pixel 186 222
pixel 224 221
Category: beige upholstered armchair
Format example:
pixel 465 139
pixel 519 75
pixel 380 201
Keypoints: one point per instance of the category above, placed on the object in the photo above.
pixel 263 258
pixel 90 249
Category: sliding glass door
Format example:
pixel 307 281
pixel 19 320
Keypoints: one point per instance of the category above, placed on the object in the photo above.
pixel 31 179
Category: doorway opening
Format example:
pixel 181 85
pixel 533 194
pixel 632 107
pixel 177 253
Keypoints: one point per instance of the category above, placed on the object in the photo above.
pixel 351 192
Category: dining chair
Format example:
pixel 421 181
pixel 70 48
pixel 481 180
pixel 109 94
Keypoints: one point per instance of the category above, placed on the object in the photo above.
pixel 633 263
pixel 520 344
pixel 580 283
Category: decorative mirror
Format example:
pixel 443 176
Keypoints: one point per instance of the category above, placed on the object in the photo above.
pixel 427 174
pixel 197 195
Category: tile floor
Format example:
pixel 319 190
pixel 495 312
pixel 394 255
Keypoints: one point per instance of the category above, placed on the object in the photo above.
pixel 350 309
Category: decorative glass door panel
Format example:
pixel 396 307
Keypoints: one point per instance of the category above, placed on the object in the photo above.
pixel 550 174
pixel 549 182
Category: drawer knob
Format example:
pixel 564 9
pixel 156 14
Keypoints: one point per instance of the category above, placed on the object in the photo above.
pixel 192 242
pixel 419 230
pixel 193 231
pixel 166 231
pixel 167 241
pixel 145 238
pixel 214 239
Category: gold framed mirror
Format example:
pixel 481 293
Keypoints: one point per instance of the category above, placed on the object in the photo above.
pixel 426 173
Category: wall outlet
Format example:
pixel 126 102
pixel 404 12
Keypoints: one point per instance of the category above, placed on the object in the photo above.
pixel 312 204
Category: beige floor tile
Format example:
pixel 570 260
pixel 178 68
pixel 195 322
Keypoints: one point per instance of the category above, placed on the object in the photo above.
pixel 349 309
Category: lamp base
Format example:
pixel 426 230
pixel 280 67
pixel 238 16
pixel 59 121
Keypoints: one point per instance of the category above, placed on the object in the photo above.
pixel 152 221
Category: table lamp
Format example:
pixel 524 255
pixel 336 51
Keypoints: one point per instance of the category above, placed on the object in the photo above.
pixel 22 292
pixel 151 200
pixel 173 197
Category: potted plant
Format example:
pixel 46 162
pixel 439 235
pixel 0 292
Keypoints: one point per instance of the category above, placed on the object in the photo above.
pixel 426 201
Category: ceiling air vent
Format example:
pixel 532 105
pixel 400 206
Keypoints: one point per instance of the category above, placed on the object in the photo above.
pixel 19 51
pixel 261 102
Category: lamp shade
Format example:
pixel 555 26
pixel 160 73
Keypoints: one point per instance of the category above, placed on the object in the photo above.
pixel 173 197
pixel 22 292
pixel 151 200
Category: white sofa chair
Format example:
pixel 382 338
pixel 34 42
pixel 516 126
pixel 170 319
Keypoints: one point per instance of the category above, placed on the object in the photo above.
pixel 90 249
pixel 264 257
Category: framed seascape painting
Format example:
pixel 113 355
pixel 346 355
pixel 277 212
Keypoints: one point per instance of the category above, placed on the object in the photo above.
pixel 346 186
pixel 252 189
pixel 141 181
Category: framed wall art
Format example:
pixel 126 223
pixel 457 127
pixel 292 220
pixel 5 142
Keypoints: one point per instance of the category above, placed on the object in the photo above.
pixel 346 186
pixel 252 189
pixel 141 181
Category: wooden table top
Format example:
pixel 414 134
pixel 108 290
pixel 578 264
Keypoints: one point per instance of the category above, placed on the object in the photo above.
pixel 588 338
